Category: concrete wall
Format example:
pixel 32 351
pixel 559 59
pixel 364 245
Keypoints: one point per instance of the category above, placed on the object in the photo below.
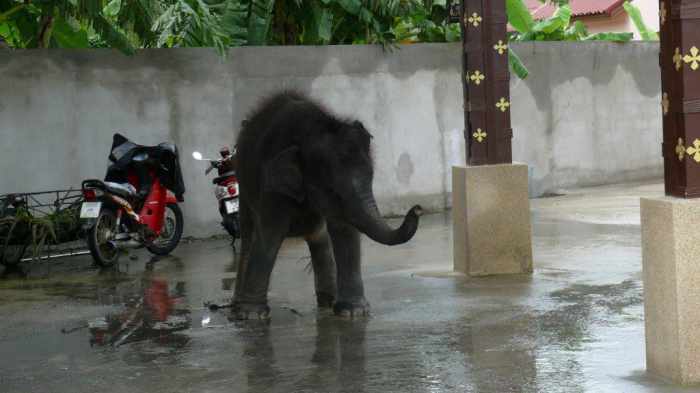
pixel 588 114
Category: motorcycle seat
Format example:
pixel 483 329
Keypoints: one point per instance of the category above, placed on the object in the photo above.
pixel 124 190
pixel 223 177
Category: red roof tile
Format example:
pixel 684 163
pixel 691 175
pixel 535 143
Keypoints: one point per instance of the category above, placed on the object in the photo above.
pixel 578 7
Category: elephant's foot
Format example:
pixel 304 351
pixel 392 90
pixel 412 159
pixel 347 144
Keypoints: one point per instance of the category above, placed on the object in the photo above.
pixel 324 300
pixel 249 311
pixel 354 308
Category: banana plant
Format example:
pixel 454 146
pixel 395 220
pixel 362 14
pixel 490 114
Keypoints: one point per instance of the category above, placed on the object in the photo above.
pixel 645 32
pixel 558 27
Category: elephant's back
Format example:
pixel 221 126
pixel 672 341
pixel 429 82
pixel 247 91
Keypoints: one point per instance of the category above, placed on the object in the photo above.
pixel 278 122
pixel 269 128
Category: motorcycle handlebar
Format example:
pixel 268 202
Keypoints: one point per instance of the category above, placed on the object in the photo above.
pixel 215 164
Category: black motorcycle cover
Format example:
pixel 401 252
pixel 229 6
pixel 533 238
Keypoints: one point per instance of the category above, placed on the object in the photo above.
pixel 164 158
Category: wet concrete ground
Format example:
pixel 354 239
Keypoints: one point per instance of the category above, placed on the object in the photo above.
pixel 575 325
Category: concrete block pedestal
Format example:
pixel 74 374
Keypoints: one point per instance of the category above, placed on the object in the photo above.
pixel 491 220
pixel 671 264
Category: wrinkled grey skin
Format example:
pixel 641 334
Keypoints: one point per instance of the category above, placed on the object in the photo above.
pixel 303 172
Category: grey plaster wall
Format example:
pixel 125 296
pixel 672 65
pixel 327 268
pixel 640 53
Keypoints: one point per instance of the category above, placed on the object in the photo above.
pixel 588 114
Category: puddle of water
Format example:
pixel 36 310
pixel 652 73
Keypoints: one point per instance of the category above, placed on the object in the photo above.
pixel 155 313
pixel 573 326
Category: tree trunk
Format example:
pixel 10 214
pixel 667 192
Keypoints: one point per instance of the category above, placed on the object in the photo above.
pixel 44 38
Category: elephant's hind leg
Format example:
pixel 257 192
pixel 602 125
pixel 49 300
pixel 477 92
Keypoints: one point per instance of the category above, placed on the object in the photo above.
pixel 250 300
pixel 247 232
pixel 323 263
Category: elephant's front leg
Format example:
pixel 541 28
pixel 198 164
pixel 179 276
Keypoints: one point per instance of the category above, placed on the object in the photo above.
pixel 346 249
pixel 323 263
pixel 250 299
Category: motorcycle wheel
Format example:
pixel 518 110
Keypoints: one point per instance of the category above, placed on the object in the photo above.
pixel 99 236
pixel 173 225
pixel 232 225
pixel 12 255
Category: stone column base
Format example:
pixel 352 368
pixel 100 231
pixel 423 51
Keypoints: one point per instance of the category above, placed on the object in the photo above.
pixel 671 264
pixel 491 218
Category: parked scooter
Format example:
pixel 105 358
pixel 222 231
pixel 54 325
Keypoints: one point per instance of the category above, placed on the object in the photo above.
pixel 142 179
pixel 225 189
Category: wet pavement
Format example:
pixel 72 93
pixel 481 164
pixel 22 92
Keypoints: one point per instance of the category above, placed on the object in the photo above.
pixel 575 325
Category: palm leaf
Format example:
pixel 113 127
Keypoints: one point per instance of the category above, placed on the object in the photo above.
pixel 259 20
pixel 112 35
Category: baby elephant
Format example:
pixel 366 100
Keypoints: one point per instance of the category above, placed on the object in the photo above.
pixel 304 172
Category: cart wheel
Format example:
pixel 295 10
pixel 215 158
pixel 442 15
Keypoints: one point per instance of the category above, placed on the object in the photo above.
pixel 12 255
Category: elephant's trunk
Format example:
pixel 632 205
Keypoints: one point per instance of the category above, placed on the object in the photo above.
pixel 366 218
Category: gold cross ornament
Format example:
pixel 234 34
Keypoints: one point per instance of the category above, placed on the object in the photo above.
pixel 694 150
pixel 480 135
pixel 477 77
pixel 678 59
pixel 500 47
pixel 662 13
pixel 665 103
pixel 680 149
pixel 475 19
pixel 503 104
pixel 693 58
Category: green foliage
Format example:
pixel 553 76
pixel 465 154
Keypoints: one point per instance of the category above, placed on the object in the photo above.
pixel 519 16
pixel 129 24
pixel 126 24
pixel 427 23
pixel 23 229
pixel 190 23
pixel 58 23
pixel 260 14
pixel 318 22
pixel 516 65
pixel 644 31
pixel 69 35
pixel 558 27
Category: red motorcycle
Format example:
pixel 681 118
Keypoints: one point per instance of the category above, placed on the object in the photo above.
pixel 137 203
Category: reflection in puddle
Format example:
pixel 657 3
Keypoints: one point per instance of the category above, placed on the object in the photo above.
pixel 153 315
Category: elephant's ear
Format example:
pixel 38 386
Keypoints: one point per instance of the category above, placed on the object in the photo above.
pixel 283 175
